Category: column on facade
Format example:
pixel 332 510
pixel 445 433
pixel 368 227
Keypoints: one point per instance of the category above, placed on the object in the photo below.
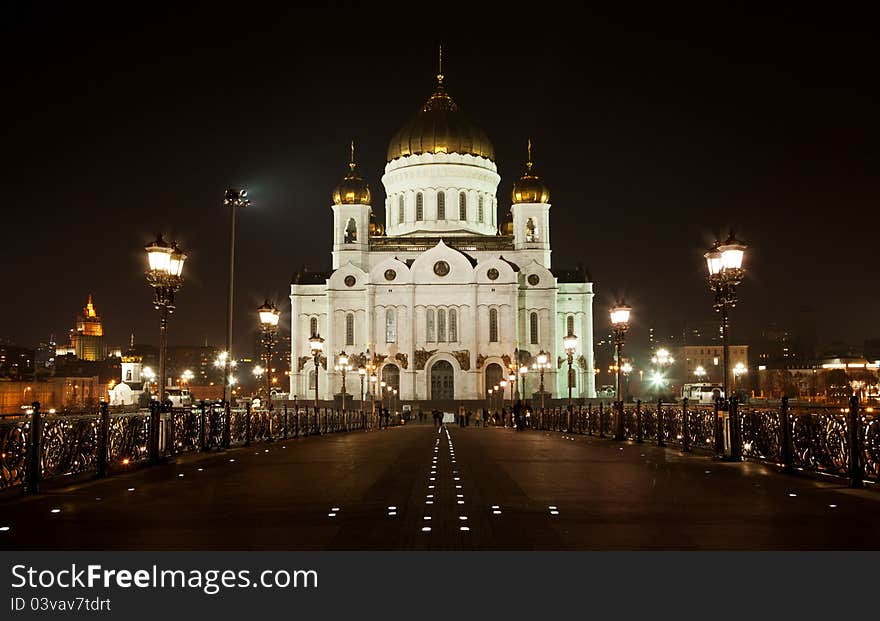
pixel 475 340
pixel 411 350
pixel 296 374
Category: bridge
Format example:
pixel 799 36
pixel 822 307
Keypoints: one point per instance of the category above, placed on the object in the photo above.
pixel 314 480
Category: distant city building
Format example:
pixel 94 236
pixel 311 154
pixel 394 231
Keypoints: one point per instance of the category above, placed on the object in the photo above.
pixel 709 359
pixel 196 358
pixel 87 337
pixel 44 355
pixel 16 362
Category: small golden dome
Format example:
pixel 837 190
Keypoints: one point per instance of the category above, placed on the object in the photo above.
pixel 529 188
pixel 353 190
pixel 376 229
pixel 440 127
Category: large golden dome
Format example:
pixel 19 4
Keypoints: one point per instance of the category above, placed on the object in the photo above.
pixel 353 190
pixel 529 188
pixel 440 127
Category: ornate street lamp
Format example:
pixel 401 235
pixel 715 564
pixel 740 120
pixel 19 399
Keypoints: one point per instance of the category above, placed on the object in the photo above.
pixel 522 381
pixel 362 373
pixel 316 345
pixel 489 401
pixel 541 364
pixel 725 271
pixel 342 366
pixel 620 313
pixel 738 371
pixel 569 342
pixel 269 316
pixel 165 275
pixel 503 385
pixel 234 199
pixel 511 379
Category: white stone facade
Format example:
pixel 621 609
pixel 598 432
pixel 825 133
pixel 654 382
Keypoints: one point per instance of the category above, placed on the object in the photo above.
pixel 442 299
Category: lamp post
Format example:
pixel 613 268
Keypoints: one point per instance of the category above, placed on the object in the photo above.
pixel 725 272
pixel 234 199
pixel 165 275
pixel 343 367
pixel 569 342
pixel 374 380
pixel 738 371
pixel 269 316
pixel 149 375
pixel 522 381
pixel 362 373
pixel 258 373
pixel 489 400
pixel 316 345
pixel 619 313
pixel 503 385
pixel 511 379
pixel 542 364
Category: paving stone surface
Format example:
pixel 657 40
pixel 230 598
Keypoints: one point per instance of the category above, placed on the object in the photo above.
pixel 420 488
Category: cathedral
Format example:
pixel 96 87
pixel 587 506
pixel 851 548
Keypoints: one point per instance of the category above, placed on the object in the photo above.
pixel 441 301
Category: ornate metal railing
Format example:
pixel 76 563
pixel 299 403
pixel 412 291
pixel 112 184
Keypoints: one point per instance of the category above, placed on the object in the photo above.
pixel 822 440
pixel 106 442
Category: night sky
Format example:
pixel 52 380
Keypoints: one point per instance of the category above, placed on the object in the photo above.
pixel 654 129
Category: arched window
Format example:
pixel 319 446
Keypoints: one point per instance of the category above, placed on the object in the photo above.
pixel 462 206
pixel 531 230
pixel 480 209
pixel 390 325
pixel 493 325
pixel 391 376
pixel 569 324
pixel 453 326
pixel 128 375
pixel 349 329
pixel 420 207
pixel 429 324
pixel 351 231
pixel 313 380
pixel 400 211
pixel 533 328
pixel 441 326
pixel 313 326
pixel 441 205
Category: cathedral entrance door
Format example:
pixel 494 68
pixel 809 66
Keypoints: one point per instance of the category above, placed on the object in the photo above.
pixel 442 381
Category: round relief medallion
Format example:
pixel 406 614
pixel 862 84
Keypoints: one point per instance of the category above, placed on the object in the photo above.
pixel 492 274
pixel 349 281
pixel 441 268
pixel 390 274
pixel 533 279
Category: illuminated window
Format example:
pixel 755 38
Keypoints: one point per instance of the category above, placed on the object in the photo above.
pixel 429 323
pixel 462 206
pixel 441 206
pixel 453 326
pixel 420 207
pixel 390 325
pixel 349 329
pixel 533 328
pixel 441 326
pixel 400 211
pixel 480 210
pixel 493 325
